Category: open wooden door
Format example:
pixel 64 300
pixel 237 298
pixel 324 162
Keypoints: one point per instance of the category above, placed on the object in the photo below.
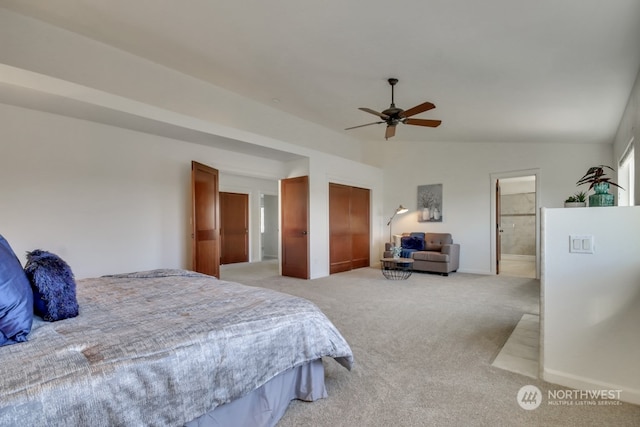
pixel 234 226
pixel 206 220
pixel 295 226
pixel 498 227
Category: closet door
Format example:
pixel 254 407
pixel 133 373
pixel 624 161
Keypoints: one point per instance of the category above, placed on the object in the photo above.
pixel 340 240
pixel 349 237
pixel 359 223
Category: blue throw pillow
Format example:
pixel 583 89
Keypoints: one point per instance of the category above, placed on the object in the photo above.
pixel 416 243
pixel 16 298
pixel 53 284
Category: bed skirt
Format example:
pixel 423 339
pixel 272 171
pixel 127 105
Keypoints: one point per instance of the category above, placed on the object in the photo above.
pixel 265 405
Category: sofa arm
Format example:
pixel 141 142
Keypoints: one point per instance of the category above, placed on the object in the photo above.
pixel 453 250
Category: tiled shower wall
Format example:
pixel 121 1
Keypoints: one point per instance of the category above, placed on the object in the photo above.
pixel 518 222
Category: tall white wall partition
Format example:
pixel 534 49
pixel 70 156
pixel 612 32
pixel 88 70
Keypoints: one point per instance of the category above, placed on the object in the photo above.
pixel 590 311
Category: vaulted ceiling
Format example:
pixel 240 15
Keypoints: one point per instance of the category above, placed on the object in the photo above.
pixel 497 70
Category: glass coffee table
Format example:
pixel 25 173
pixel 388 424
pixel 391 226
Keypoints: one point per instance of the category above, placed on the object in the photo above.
pixel 396 268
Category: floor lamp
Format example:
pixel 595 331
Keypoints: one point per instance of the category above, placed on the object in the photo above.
pixel 401 209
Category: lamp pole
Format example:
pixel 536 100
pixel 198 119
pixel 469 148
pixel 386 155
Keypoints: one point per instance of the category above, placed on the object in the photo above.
pixel 401 209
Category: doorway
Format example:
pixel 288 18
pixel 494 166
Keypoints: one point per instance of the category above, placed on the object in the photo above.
pixel 234 228
pixel 268 227
pixel 515 219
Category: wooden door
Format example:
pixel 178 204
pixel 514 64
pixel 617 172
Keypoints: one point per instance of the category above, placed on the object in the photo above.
pixel 349 237
pixel 234 228
pixel 206 220
pixel 359 223
pixel 340 240
pixel 295 226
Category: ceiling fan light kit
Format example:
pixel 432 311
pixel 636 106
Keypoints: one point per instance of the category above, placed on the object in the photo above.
pixel 392 116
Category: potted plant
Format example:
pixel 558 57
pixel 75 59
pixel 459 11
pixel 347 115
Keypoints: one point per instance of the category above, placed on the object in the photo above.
pixel 396 251
pixel 578 200
pixel 597 179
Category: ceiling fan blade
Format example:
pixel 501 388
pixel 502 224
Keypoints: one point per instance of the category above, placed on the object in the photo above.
pixel 368 124
pixel 391 131
pixel 425 106
pixel 423 122
pixel 375 113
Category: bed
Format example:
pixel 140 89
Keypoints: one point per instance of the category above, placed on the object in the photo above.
pixel 169 348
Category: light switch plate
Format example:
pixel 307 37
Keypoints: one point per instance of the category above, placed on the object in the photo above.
pixel 582 244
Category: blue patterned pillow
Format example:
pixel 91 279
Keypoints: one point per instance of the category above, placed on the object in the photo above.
pixel 16 298
pixel 54 288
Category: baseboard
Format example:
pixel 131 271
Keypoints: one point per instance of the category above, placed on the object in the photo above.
pixel 581 383
pixel 474 271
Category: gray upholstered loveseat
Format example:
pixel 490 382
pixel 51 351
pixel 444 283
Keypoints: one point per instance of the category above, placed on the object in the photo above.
pixel 431 252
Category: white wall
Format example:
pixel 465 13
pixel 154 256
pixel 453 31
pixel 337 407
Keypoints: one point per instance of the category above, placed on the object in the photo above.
pixel 591 302
pixel 465 170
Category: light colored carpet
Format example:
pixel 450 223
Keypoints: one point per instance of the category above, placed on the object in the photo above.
pixel 424 349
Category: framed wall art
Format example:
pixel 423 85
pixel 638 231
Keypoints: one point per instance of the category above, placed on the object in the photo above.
pixel 430 203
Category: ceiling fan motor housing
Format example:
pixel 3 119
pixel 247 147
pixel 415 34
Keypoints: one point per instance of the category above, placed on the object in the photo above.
pixel 394 115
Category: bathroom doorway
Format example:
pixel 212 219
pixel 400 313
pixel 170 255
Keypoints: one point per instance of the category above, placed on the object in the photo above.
pixel 515 219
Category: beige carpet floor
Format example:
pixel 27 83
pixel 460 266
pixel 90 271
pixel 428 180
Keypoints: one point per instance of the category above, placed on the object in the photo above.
pixel 424 349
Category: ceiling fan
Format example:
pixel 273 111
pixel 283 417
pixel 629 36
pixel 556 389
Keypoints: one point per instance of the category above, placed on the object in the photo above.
pixel 393 115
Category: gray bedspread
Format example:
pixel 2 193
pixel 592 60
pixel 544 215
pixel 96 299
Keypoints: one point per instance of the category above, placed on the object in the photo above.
pixel 158 348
